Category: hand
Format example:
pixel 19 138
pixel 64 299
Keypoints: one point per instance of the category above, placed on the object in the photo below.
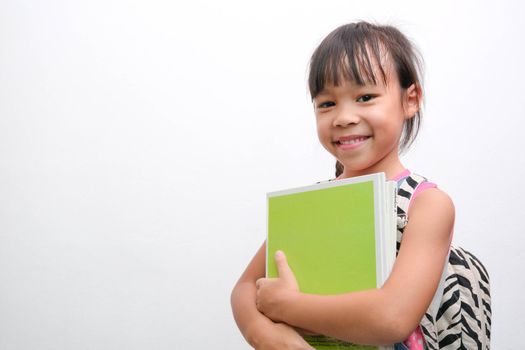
pixel 273 293
pixel 282 337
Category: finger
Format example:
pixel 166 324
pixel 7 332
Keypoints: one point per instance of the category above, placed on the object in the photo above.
pixel 259 282
pixel 282 265
pixel 258 301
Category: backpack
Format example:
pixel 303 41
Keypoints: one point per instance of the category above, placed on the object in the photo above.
pixel 461 319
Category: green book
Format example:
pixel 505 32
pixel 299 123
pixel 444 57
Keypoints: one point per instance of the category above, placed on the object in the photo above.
pixel 338 237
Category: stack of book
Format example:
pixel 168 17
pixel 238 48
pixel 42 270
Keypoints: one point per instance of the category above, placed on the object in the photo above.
pixel 338 237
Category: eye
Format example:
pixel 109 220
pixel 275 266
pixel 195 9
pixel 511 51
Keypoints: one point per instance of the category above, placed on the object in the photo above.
pixel 365 98
pixel 326 104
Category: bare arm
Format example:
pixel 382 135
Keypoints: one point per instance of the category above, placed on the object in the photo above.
pixel 258 330
pixel 380 316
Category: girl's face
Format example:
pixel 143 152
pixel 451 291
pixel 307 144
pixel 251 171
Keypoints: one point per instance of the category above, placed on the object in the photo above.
pixel 361 125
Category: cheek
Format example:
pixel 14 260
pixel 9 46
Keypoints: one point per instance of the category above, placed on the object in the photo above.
pixel 391 121
pixel 388 133
pixel 394 131
pixel 324 135
pixel 322 128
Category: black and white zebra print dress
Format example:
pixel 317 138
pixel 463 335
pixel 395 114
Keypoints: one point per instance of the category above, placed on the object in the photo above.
pixel 460 314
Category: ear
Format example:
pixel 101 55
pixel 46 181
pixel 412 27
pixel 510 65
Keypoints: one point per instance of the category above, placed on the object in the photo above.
pixel 412 100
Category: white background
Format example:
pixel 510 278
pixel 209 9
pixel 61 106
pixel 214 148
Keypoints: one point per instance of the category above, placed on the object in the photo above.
pixel 138 140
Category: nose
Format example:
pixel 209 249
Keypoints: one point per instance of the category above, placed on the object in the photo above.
pixel 346 116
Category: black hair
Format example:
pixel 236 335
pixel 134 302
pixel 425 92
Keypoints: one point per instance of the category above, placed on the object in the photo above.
pixel 351 52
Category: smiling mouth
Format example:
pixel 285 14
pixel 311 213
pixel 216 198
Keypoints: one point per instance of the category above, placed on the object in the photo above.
pixel 352 140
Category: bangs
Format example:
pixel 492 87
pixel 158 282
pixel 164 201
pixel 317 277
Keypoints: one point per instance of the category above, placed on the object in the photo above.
pixel 352 54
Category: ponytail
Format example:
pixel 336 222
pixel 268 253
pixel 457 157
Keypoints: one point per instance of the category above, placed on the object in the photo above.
pixel 338 168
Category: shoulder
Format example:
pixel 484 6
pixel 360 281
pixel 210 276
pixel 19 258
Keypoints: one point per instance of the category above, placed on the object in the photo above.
pixel 433 198
pixel 426 195
pixel 433 211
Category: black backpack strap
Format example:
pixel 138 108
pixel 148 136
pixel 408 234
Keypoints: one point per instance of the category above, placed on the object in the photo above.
pixel 405 191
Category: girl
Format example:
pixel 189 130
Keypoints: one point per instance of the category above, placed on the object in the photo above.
pixel 366 90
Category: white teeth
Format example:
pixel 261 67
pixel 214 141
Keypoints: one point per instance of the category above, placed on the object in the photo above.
pixel 349 142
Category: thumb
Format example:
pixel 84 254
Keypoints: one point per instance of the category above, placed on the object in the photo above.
pixel 282 265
